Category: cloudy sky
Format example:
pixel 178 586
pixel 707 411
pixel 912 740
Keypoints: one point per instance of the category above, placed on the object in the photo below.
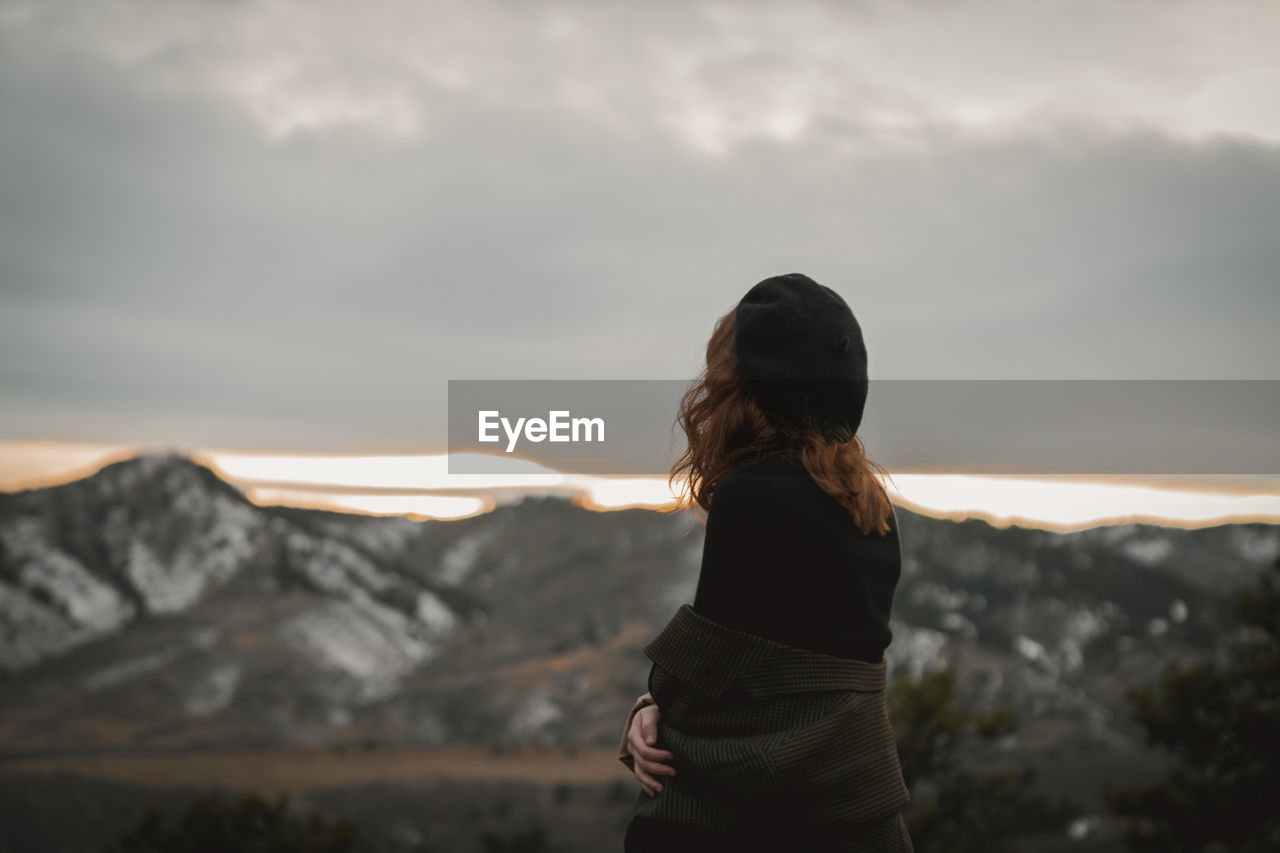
pixel 283 226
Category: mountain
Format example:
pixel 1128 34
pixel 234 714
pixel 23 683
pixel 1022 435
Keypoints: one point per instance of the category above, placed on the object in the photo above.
pixel 151 607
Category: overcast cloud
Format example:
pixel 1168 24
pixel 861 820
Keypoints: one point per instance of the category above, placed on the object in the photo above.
pixel 285 225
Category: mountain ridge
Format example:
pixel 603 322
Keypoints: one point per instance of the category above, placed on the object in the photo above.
pixel 151 607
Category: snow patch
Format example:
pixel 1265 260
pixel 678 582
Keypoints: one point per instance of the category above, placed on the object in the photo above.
pixel 1253 545
pixel 959 624
pixel 372 646
pixel 31 631
pixel 435 614
pixel 386 539
pixel 1148 552
pixel 1082 626
pixel 85 598
pixel 536 711
pixel 1082 827
pixel 205 559
pixel 915 650
pixel 130 668
pixel 1035 653
pixel 163 590
pixel 335 567
pixel 214 691
pixel 460 558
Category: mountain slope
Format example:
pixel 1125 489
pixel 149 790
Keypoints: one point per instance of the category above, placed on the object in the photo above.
pixel 151 607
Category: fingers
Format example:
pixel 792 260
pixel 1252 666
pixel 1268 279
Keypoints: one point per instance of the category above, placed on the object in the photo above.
pixel 648 717
pixel 648 758
pixel 648 753
pixel 654 768
pixel 647 763
pixel 651 786
pixel 641 748
pixel 647 771
pixel 649 729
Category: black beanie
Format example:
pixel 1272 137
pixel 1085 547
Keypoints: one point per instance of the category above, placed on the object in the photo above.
pixel 800 350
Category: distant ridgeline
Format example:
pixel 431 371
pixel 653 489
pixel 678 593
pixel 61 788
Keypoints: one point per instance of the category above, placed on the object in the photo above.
pixel 151 606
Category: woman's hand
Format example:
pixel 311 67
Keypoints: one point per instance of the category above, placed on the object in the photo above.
pixel 648 758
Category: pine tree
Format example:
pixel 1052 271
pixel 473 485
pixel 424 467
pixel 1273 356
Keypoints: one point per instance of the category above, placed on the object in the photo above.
pixel 213 823
pixel 961 811
pixel 1222 721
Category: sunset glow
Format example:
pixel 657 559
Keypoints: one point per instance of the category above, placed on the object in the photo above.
pixel 1067 505
pixel 413 506
pixel 419 486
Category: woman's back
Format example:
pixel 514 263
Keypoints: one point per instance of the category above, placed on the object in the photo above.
pixel 773 730
pixel 784 560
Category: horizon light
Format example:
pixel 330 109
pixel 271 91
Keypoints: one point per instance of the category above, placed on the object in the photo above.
pixel 419 486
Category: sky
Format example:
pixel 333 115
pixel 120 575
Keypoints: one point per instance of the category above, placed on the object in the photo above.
pixel 282 227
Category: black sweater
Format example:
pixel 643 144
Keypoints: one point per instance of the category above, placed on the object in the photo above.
pixel 784 560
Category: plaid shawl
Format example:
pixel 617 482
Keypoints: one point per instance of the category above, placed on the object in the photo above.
pixel 767 732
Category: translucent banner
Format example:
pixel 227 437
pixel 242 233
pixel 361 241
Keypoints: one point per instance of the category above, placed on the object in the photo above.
pixel 1025 427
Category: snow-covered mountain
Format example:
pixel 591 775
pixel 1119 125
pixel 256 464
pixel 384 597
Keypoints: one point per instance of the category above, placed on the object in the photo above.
pixel 151 606
pixel 154 571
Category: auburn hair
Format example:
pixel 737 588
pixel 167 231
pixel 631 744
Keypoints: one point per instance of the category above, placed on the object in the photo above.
pixel 725 427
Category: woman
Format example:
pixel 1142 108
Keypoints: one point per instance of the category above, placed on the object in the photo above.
pixel 765 724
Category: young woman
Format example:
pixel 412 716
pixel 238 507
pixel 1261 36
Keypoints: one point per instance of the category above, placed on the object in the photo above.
pixel 765 724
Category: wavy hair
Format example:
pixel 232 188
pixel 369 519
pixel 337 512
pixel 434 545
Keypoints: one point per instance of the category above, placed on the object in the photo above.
pixel 725 427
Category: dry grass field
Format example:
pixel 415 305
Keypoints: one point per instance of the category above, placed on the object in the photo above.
pixel 302 769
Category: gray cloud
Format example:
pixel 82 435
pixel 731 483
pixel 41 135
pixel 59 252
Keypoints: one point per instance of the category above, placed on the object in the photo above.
pixel 284 226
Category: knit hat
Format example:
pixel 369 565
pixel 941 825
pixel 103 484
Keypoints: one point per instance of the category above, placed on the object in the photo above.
pixel 800 350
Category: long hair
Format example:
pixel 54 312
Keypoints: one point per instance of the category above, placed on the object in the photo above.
pixel 724 428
